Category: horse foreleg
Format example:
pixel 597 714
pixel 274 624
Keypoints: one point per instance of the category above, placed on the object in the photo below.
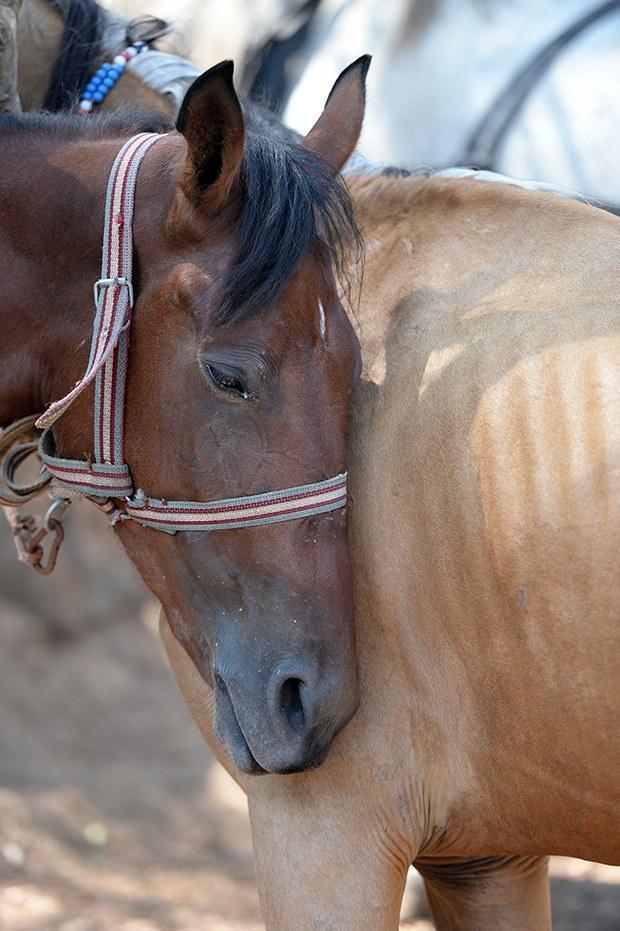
pixel 9 98
pixel 321 863
pixel 488 894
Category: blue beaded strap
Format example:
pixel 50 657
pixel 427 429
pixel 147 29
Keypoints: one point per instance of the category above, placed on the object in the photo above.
pixel 106 76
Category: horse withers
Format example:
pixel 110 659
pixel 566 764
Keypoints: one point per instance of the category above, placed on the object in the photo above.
pixel 241 363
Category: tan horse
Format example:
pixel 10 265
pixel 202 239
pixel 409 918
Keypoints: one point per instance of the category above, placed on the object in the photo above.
pixel 485 458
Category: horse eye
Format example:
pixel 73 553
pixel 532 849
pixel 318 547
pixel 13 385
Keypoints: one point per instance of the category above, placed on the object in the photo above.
pixel 227 382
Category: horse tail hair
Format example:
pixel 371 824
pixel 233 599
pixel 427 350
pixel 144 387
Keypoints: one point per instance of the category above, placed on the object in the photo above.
pixel 79 50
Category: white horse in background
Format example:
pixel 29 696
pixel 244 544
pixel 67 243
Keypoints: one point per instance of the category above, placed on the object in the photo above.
pixel 439 66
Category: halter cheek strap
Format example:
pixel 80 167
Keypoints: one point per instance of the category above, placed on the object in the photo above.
pixel 108 476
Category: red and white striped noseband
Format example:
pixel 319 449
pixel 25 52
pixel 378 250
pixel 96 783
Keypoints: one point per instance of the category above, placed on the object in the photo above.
pixel 108 476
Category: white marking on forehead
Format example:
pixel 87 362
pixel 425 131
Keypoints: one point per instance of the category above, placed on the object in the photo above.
pixel 322 322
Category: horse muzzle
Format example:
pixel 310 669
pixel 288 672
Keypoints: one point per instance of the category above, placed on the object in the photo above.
pixel 287 721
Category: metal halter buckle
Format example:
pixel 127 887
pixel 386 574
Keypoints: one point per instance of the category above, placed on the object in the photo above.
pixel 108 282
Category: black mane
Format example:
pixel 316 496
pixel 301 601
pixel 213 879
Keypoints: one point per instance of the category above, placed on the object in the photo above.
pixel 121 122
pixel 80 48
pixel 291 204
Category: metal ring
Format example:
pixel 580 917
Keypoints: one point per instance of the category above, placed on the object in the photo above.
pixel 21 492
pixel 56 512
pixel 12 454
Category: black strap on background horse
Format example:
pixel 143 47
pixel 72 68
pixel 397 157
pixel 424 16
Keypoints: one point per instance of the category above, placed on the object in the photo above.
pixel 270 76
pixel 483 146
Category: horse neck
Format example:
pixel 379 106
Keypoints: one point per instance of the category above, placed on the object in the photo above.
pixel 51 217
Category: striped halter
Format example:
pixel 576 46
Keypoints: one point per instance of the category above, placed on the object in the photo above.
pixel 108 477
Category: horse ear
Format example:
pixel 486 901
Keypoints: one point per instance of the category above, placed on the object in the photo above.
pixel 337 130
pixel 211 121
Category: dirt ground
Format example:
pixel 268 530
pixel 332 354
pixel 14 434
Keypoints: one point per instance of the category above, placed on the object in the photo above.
pixel 113 814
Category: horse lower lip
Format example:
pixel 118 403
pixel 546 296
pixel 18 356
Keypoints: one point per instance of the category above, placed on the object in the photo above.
pixel 232 737
pixel 248 764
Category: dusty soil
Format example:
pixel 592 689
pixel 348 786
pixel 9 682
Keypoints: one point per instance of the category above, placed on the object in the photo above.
pixel 113 814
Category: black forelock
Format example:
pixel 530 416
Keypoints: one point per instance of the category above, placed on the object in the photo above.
pixel 291 204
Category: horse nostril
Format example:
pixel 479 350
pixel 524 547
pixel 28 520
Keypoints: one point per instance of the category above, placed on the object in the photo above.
pixel 291 705
pixel 219 681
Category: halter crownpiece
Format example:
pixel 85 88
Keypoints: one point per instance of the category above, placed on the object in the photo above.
pixel 108 476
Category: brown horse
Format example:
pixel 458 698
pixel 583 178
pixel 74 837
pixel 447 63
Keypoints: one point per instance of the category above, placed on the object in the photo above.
pixel 240 368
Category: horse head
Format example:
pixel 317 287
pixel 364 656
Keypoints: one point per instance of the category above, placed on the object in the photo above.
pixel 241 364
